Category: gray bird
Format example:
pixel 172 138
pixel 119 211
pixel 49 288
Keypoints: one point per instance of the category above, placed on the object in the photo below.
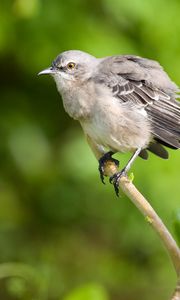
pixel 124 103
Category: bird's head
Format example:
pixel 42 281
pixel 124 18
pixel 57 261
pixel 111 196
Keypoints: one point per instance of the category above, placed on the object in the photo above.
pixel 71 66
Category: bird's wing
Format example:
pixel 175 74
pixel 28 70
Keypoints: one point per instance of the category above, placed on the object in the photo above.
pixel 144 83
pixel 137 92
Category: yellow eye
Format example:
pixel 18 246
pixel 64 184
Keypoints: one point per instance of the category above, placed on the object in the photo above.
pixel 71 65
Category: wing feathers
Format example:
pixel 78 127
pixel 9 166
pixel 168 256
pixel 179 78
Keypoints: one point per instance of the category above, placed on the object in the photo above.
pixel 163 111
pixel 144 83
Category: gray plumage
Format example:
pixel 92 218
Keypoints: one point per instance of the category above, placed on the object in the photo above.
pixel 123 103
pixel 142 82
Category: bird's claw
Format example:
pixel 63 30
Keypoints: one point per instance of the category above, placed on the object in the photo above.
pixel 103 160
pixel 114 179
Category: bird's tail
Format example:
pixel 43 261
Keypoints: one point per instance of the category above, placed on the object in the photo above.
pixel 165 125
pixel 165 120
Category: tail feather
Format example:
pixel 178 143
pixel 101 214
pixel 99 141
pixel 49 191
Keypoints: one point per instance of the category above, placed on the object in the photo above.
pixel 158 149
pixel 167 137
pixel 165 121
pixel 143 154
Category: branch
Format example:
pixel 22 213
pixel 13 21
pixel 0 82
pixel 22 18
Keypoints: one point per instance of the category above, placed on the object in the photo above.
pixel 152 218
pixel 176 295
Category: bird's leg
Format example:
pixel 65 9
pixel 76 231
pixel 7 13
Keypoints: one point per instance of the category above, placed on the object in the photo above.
pixel 114 179
pixel 101 155
pixel 102 161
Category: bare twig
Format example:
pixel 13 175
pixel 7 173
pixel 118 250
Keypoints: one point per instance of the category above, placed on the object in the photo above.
pixel 176 295
pixel 153 219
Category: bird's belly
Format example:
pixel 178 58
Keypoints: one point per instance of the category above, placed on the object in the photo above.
pixel 118 133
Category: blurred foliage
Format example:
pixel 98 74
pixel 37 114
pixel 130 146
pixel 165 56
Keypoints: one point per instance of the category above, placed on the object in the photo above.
pixel 63 235
pixel 88 292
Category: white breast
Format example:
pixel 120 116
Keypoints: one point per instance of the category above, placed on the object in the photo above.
pixel 118 126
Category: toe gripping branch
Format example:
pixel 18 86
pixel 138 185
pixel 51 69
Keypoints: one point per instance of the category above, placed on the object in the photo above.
pixel 107 157
pixel 114 179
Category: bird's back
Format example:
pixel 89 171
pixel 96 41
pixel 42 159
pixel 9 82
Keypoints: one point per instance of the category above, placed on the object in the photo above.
pixel 142 82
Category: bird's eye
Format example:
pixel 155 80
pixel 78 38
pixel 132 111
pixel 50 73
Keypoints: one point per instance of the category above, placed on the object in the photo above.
pixel 71 65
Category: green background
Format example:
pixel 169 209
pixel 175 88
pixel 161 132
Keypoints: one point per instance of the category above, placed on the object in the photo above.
pixel 63 235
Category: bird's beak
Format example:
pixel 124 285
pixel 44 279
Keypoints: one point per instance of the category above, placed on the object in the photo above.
pixel 47 71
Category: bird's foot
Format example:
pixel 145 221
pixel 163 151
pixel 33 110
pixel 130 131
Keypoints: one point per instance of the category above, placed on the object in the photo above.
pixel 114 179
pixel 103 160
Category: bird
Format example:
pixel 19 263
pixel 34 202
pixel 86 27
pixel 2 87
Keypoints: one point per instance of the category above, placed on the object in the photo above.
pixel 124 103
